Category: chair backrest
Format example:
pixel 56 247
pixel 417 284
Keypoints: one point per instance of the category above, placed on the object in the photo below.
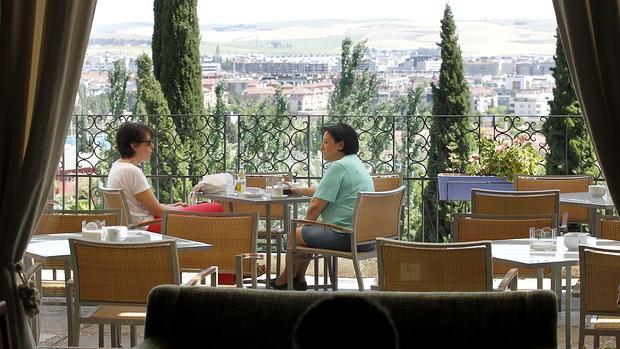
pixel 5 336
pixel 609 227
pixel 599 275
pixel 565 184
pixel 475 227
pixel 516 203
pixel 115 199
pixel 230 233
pixel 388 181
pixel 121 273
pixel 377 214
pixel 259 180
pixel 432 267
pixel 63 221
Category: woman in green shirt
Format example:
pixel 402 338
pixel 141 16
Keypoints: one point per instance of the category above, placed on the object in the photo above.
pixel 333 200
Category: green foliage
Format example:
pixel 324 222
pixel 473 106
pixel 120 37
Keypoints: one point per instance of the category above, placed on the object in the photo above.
pixel 578 156
pixel 449 140
pixel 355 90
pixel 504 160
pixel 118 77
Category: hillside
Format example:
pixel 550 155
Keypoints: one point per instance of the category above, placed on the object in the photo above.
pixel 477 38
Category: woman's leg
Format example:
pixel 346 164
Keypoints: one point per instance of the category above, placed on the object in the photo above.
pixel 298 259
pixel 204 207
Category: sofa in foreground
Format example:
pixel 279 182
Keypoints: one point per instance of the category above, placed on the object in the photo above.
pixel 203 317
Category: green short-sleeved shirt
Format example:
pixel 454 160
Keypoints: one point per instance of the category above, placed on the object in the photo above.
pixel 339 187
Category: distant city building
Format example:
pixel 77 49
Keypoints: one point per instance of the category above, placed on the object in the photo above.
pixel 532 103
pixel 481 68
pixel 482 99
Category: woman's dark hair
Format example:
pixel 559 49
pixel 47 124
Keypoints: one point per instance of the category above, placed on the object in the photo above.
pixel 345 134
pixel 368 325
pixel 130 133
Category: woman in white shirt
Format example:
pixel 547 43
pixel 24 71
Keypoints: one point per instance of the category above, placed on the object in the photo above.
pixel 134 142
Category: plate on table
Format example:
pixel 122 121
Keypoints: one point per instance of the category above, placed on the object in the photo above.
pixel 259 194
pixel 278 196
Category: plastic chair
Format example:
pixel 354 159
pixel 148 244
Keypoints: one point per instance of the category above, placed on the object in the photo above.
pixel 432 267
pixel 233 235
pixel 117 277
pixel 376 214
pixel 115 199
pixel 599 275
pixel 565 184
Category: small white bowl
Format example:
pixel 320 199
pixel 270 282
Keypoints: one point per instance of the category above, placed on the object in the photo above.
pixel 116 232
pixel 573 240
pixel 597 191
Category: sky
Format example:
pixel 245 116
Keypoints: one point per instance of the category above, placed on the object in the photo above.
pixel 216 12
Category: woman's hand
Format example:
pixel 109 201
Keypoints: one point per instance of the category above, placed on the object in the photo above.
pixel 179 204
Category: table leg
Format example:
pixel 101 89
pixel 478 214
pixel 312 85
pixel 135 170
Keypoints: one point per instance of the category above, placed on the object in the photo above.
pixel 268 254
pixel 556 284
pixel 567 306
pixel 73 325
pixel 592 222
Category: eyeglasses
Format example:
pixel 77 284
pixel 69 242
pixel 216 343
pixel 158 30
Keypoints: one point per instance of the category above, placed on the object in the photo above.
pixel 147 142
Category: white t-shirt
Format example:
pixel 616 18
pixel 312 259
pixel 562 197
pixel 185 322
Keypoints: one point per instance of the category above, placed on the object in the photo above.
pixel 132 180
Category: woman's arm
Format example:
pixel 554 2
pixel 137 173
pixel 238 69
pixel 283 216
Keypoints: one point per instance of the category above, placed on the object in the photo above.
pixel 302 191
pixel 150 202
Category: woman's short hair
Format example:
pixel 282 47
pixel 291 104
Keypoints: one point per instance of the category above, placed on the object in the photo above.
pixel 346 134
pixel 130 133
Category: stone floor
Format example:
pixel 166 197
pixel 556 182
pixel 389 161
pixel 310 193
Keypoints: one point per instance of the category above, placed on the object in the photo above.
pixel 54 321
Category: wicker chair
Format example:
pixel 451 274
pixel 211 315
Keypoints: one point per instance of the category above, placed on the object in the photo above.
pixel 476 227
pixel 115 199
pixel 599 289
pixel 516 203
pixel 117 277
pixel 63 221
pixel 388 181
pixel 259 180
pixel 233 235
pixel 429 267
pixel 376 214
pixel 609 227
pixel 565 184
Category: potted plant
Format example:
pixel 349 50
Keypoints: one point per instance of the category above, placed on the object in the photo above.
pixel 493 167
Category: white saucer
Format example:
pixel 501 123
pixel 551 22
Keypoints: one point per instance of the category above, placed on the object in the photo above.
pixel 253 195
pixel 278 196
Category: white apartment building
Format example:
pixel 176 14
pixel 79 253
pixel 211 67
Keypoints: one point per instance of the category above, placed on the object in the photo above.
pixel 518 82
pixel 482 99
pixel 532 103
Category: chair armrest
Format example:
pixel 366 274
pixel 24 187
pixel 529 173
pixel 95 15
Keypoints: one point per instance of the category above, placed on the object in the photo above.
pixel 564 223
pixel 32 270
pixel 327 225
pixel 143 224
pixel 509 281
pixel 212 270
pixel 253 257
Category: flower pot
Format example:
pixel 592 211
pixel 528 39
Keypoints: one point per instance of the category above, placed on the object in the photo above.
pixel 457 187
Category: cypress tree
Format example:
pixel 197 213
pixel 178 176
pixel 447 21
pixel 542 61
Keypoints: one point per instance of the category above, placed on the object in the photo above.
pixel 176 57
pixel 152 108
pixel 450 97
pixel 570 148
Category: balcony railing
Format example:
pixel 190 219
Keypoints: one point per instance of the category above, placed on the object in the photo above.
pixel 265 143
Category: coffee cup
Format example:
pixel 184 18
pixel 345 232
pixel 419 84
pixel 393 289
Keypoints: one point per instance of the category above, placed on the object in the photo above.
pixel 573 240
pixel 116 233
pixel 597 191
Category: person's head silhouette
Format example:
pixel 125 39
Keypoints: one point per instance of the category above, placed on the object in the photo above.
pixel 355 321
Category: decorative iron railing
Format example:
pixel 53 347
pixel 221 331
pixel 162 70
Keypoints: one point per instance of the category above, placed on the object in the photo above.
pixel 265 143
